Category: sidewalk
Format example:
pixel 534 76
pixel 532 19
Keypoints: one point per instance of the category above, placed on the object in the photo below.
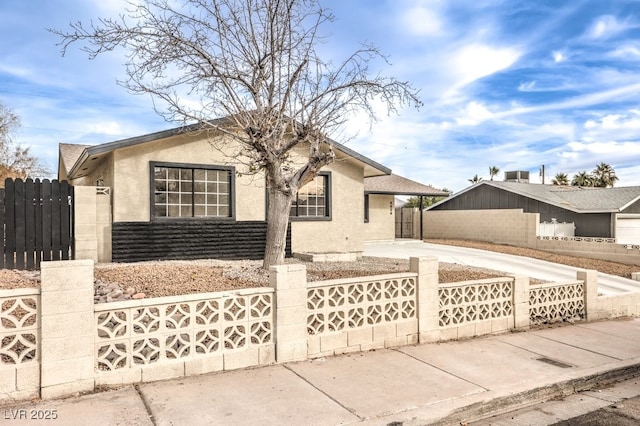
pixel 433 383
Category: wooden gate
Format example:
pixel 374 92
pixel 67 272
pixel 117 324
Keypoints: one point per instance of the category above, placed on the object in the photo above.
pixel 37 218
pixel 404 222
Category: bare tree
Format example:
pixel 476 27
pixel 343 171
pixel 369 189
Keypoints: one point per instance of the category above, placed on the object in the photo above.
pixel 256 63
pixel 16 161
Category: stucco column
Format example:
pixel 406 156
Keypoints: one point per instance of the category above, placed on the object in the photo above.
pixel 67 328
pixel 428 298
pixel 590 278
pixel 290 284
pixel 521 306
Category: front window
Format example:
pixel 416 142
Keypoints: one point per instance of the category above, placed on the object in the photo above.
pixel 312 200
pixel 183 191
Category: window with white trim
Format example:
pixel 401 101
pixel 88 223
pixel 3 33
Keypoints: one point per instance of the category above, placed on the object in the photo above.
pixel 313 199
pixel 182 191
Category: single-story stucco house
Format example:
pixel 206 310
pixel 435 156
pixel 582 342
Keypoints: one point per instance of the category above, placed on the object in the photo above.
pixel 595 212
pixel 380 203
pixel 175 196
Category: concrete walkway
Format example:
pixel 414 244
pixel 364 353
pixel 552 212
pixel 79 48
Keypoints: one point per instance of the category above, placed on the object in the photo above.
pixel 533 268
pixel 433 383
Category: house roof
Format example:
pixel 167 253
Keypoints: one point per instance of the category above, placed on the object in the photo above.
pixel 574 198
pixel 69 153
pixel 77 159
pixel 398 185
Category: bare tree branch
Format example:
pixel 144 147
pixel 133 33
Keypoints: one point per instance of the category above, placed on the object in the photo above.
pixel 16 161
pixel 255 62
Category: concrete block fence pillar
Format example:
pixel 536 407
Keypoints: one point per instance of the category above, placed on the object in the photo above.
pixel 428 298
pixel 590 278
pixel 67 328
pixel 521 301
pixel 290 284
pixel 85 223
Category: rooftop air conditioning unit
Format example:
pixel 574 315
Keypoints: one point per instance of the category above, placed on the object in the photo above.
pixel 521 176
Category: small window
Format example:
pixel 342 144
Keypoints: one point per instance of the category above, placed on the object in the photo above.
pixel 182 191
pixel 313 199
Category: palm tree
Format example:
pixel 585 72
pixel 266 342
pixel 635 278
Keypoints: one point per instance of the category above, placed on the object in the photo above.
pixel 475 179
pixel 561 179
pixel 582 179
pixel 493 171
pixel 604 176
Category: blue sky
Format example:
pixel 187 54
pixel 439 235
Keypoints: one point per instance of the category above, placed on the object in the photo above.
pixel 515 84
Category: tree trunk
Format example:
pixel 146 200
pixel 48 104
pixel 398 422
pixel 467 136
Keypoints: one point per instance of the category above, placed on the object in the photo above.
pixel 277 222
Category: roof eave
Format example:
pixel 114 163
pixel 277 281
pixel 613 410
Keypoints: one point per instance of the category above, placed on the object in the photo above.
pixel 78 164
pixel 384 170
pixel 377 169
pixel 629 203
pixel 409 193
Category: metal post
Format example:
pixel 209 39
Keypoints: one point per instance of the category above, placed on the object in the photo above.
pixel 421 206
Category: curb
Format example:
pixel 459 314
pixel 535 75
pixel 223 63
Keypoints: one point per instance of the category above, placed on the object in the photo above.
pixel 501 405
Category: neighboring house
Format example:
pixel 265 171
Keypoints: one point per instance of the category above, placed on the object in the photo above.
pixel 380 204
pixel 174 195
pixel 596 212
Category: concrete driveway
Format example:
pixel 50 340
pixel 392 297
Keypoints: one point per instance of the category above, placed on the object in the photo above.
pixel 540 269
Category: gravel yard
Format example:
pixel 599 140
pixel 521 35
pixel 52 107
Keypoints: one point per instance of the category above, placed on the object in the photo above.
pixel 121 281
pixel 168 278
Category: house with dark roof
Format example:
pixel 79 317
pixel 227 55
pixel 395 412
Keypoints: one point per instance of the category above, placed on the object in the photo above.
pixel 595 212
pixel 179 194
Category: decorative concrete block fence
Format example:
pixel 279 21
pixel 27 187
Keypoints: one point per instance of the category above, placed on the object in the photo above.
pixel 56 341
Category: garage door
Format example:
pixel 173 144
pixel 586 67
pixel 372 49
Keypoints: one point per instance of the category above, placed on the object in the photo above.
pixel 628 229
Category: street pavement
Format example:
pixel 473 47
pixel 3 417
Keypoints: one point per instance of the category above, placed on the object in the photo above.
pixel 533 268
pixel 615 405
pixel 453 383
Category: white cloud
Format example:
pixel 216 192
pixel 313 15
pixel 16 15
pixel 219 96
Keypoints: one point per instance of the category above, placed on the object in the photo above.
pixel 473 114
pixel 585 155
pixel 558 56
pixel 106 128
pixel 595 98
pixel 626 52
pixel 606 26
pixel 621 126
pixel 475 61
pixel 527 87
pixel 421 21
pixel 113 7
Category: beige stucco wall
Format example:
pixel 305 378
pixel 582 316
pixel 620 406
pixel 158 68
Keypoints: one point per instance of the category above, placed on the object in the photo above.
pixel 126 171
pixel 512 227
pixel 92 211
pixel 381 225
pixel 345 231
pixel 131 197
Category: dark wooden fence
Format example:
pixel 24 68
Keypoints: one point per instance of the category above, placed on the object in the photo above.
pixel 37 218
pixel 189 239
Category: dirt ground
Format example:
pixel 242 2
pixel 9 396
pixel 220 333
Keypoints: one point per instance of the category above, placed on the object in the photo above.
pixel 156 279
pixel 606 267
